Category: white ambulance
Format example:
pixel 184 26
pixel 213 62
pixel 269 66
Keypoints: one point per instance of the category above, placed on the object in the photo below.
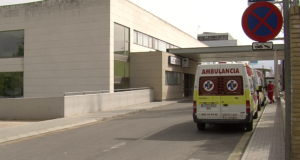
pixel 224 93
pixel 259 83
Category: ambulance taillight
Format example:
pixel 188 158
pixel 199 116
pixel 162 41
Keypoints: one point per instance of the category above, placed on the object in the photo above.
pixel 247 106
pixel 194 107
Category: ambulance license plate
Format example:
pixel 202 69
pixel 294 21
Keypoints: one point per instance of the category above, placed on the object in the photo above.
pixel 208 106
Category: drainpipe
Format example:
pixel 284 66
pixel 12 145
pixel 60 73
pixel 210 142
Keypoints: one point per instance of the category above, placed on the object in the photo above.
pixel 287 78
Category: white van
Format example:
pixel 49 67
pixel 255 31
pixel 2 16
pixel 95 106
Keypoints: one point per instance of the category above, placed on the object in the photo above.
pixel 224 93
pixel 259 83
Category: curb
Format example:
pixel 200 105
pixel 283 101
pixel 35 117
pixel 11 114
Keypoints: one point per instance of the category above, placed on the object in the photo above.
pixel 241 147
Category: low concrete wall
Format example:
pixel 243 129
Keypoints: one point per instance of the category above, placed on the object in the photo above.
pixel 83 104
pixel 59 107
pixel 121 99
pixel 32 108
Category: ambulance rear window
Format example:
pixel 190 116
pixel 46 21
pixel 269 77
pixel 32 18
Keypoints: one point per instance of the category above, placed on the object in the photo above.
pixel 221 85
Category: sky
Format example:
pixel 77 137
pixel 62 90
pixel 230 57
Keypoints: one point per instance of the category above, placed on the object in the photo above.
pixel 195 16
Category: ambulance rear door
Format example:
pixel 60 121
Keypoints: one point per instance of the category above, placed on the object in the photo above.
pixel 233 101
pixel 208 102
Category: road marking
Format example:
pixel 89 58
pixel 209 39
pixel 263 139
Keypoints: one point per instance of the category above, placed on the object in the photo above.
pixel 115 146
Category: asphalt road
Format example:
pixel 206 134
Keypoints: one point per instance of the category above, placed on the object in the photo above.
pixel 165 133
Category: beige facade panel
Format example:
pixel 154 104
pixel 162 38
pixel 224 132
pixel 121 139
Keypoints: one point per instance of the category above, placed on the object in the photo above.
pixel 138 48
pixel 142 73
pixel 69 45
pixel 130 15
pixel 66 44
pixel 12 65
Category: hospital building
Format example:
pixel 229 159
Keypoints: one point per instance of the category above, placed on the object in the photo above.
pixel 53 47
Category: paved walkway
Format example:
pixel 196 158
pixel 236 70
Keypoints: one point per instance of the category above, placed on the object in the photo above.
pixel 4 124
pixel 13 130
pixel 267 141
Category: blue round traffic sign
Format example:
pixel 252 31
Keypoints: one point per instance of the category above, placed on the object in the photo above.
pixel 262 21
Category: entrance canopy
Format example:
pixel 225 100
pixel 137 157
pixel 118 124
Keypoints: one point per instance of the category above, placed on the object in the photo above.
pixel 229 53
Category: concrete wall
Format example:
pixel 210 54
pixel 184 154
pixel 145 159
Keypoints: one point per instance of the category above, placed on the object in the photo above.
pixel 147 69
pixel 121 99
pixel 66 45
pixel 32 108
pixel 295 79
pixel 59 107
pixel 83 104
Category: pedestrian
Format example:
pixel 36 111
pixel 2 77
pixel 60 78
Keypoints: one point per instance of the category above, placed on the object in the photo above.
pixel 270 90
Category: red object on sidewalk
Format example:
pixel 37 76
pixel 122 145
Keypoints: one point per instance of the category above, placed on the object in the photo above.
pixel 270 92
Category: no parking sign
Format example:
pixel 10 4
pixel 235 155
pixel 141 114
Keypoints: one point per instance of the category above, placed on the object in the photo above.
pixel 262 21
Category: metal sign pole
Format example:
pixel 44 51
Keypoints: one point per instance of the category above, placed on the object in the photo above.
pixel 287 78
pixel 276 74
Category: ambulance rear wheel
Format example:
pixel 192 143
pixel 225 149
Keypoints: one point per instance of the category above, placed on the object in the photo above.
pixel 249 126
pixel 255 115
pixel 201 126
pixel 264 102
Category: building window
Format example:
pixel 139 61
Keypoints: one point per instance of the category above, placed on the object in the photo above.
pixel 140 38
pixel 172 78
pixel 135 39
pixel 121 69
pixel 146 40
pixel 162 46
pixel 11 84
pixel 151 42
pixel 156 44
pixel 213 38
pixel 121 39
pixel 12 44
pixel 121 74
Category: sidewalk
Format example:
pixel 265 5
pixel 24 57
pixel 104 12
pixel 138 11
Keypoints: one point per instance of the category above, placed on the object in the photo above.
pixel 267 141
pixel 13 130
